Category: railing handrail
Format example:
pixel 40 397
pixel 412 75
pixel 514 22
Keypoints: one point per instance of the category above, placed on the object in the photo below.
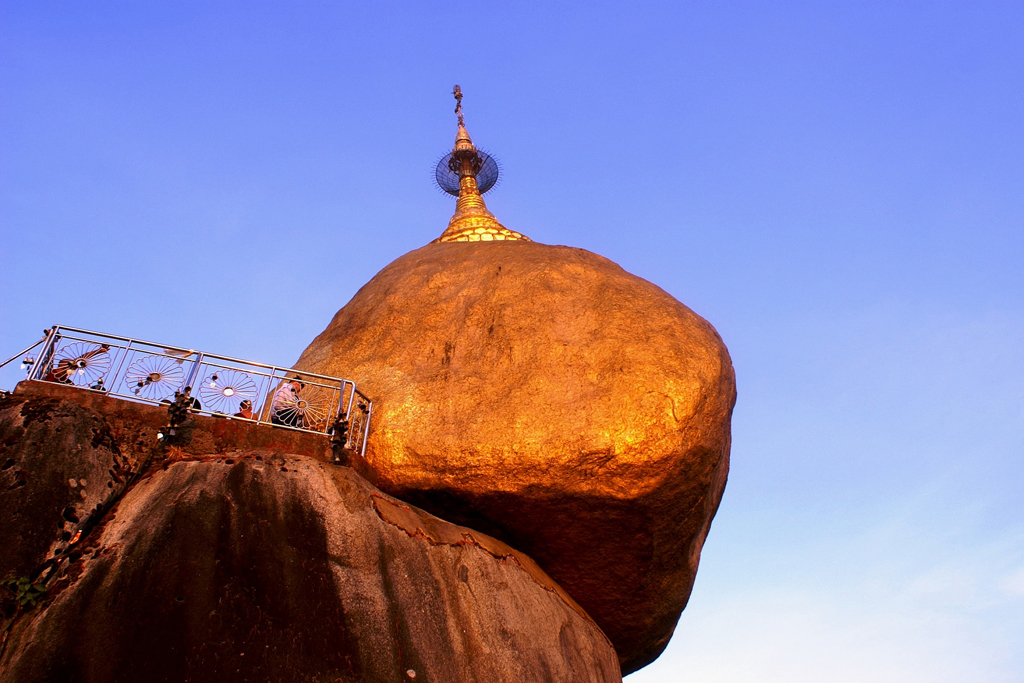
pixel 193 351
pixel 22 353
pixel 266 381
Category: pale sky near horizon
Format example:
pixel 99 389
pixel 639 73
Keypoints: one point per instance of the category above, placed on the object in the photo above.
pixel 836 186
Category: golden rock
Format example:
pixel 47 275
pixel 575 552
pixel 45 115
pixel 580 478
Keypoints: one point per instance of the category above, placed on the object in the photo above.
pixel 545 396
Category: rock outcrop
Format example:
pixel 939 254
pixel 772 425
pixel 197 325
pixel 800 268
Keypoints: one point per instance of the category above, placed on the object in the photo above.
pixel 544 395
pixel 256 565
pixel 67 453
pixel 58 464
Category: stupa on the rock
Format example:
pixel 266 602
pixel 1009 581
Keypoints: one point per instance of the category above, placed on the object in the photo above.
pixel 458 173
pixel 545 396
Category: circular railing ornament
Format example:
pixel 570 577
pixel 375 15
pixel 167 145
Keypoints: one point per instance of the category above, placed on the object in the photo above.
pixel 224 391
pixel 80 363
pixel 309 408
pixel 154 378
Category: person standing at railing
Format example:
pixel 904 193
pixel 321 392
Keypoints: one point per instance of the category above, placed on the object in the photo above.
pixel 284 410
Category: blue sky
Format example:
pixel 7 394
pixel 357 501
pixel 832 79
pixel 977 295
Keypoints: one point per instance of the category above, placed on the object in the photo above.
pixel 835 186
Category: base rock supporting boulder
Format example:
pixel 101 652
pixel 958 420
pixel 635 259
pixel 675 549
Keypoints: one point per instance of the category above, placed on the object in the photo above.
pixel 284 568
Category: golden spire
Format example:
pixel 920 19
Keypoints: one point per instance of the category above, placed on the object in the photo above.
pixel 472 221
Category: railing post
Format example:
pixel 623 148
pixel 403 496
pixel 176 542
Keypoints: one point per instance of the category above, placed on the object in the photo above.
pixel 340 413
pixel 366 427
pixel 351 400
pixel 125 352
pixel 43 359
pixel 268 398
pixel 194 372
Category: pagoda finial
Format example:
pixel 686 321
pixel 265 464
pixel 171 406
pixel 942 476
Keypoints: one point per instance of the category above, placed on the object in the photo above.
pixel 458 104
pixel 466 165
pixel 462 140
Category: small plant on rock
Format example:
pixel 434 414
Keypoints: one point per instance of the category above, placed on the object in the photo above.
pixel 26 592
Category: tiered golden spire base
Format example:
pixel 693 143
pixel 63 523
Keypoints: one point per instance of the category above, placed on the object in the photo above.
pixel 472 221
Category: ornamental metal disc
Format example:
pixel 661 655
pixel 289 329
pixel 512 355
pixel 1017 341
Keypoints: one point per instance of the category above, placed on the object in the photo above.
pixel 154 377
pixel 223 391
pixel 448 180
pixel 81 363
pixel 308 407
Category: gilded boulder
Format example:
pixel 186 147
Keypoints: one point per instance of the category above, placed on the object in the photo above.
pixel 545 396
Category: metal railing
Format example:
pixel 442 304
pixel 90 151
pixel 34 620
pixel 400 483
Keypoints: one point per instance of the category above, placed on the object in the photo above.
pixel 221 386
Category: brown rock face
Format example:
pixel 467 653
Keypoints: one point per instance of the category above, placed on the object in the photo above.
pixel 67 453
pixel 282 568
pixel 58 462
pixel 548 397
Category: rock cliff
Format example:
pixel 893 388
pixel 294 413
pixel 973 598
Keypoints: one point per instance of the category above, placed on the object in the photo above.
pixel 256 564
